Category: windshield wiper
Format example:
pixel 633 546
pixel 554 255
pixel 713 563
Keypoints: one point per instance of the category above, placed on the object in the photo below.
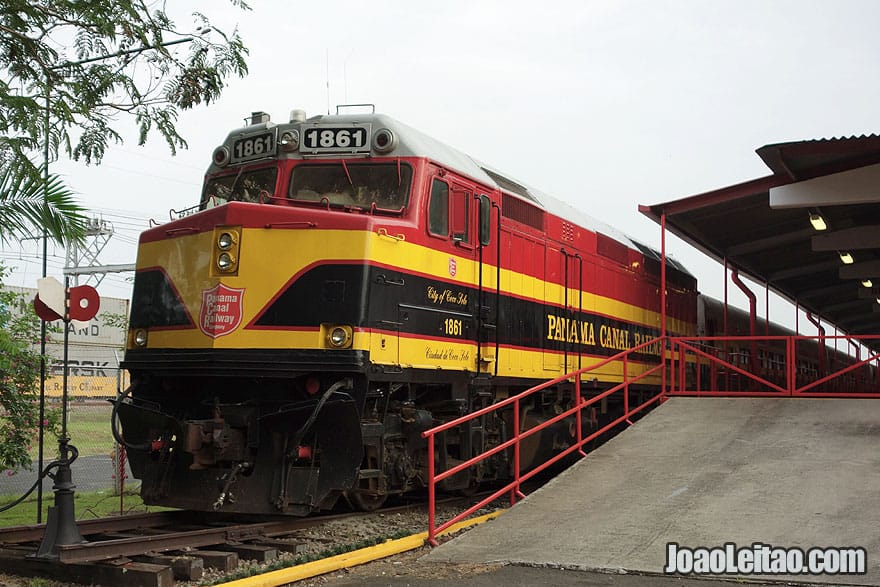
pixel 235 181
pixel 347 174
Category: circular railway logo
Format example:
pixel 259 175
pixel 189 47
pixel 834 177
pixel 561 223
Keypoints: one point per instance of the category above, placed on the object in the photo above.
pixel 220 313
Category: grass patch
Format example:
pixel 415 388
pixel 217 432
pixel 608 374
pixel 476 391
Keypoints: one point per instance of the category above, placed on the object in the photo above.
pixel 87 506
pixel 88 426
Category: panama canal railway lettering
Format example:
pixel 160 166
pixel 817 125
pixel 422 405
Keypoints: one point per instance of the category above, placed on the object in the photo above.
pixel 585 332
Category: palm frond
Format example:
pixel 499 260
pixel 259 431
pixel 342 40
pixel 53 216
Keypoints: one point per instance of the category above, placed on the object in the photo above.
pixel 28 205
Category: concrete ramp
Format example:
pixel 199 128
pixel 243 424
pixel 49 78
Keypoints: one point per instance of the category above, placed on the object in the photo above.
pixel 702 472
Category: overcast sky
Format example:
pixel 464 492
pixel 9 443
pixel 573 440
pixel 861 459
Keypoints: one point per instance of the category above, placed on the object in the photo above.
pixel 604 104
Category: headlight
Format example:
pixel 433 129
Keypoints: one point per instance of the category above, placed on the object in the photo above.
pixel 221 156
pixel 140 338
pixel 226 251
pixel 224 261
pixel 384 140
pixel 339 337
pixel 225 241
pixel 290 140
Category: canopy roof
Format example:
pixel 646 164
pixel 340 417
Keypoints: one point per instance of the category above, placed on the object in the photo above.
pixel 763 227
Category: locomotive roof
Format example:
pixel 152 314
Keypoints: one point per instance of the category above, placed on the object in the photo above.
pixel 414 143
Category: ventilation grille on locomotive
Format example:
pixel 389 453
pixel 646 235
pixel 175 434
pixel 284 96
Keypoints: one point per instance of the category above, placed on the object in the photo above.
pixel 515 209
pixel 608 247
pixel 508 184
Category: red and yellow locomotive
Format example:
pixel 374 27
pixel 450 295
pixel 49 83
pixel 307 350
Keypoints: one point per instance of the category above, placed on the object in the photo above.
pixel 347 282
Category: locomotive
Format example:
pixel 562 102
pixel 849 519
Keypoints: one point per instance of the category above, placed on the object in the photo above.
pixel 347 282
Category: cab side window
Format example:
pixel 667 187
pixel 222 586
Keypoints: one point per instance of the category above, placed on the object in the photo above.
pixel 438 209
pixel 461 216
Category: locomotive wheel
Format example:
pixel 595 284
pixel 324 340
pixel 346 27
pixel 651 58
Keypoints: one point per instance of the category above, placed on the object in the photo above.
pixel 366 502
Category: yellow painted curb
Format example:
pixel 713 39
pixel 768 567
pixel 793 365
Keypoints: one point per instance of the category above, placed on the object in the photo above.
pixel 350 559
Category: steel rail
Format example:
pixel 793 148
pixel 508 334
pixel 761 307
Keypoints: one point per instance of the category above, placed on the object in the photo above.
pixel 162 536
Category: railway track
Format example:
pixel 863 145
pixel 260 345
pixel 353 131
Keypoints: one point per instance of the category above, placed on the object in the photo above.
pixel 158 549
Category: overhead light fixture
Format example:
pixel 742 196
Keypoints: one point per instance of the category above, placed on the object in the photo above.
pixel 817 221
pixel 867 283
pixel 846 257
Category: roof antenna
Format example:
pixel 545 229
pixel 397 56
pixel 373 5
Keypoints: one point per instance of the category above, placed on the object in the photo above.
pixel 345 75
pixel 328 81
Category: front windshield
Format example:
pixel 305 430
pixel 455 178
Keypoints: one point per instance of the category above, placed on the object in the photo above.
pixel 257 185
pixel 384 186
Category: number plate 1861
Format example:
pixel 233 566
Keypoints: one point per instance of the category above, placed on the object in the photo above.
pixel 253 147
pixel 326 139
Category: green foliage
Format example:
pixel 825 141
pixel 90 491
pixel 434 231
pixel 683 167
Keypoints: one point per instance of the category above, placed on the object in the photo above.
pixel 87 90
pixel 88 505
pixel 19 380
pixel 25 204
pixel 114 320
pixel 121 60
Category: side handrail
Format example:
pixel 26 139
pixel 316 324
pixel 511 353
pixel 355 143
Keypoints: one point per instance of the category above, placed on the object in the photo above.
pixel 684 350
pixel 683 345
pixel 513 488
pixel 791 382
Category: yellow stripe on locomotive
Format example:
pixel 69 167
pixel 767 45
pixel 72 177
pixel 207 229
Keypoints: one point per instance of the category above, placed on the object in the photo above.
pixel 259 257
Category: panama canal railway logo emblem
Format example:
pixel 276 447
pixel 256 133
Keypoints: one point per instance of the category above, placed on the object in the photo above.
pixel 221 310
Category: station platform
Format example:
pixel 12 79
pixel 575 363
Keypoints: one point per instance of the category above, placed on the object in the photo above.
pixel 700 472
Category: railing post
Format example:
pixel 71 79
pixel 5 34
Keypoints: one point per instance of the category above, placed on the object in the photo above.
pixel 432 491
pixel 515 489
pixel 663 384
pixel 876 374
pixel 626 389
pixel 791 372
pixel 698 379
pixel 682 368
pixel 579 413
pixel 713 371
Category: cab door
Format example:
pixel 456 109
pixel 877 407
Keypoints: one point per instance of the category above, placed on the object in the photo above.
pixel 472 235
pixel 488 284
pixel 446 313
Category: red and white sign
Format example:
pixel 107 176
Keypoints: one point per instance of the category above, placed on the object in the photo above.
pixel 51 300
pixel 84 303
pixel 452 267
pixel 220 313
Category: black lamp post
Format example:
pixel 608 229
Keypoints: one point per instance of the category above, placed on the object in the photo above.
pixel 63 480
pixel 61 525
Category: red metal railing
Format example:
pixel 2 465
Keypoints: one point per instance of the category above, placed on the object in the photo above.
pixel 701 366
pixel 513 488
pixel 792 366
